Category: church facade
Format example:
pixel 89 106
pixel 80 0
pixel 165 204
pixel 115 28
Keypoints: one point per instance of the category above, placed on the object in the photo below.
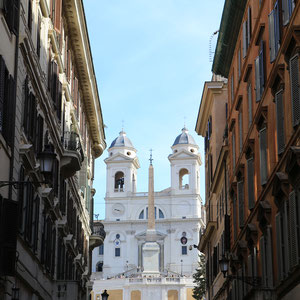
pixel 118 265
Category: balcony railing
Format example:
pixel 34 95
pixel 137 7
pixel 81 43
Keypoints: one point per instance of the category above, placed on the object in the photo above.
pixel 98 235
pixel 73 155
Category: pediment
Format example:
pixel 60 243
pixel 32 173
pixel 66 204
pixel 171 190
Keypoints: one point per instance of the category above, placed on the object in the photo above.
pixel 182 154
pixel 119 157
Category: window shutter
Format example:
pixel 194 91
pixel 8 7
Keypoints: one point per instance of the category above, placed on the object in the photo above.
pixel 249 25
pixel 38 36
pixel 15 22
pixel 263 155
pixel 239 63
pixel 269 257
pixel 276 28
pixel 257 81
pixel 40 134
pixel 294 77
pixel 241 130
pixel 261 68
pixel 233 149
pixel 234 295
pixel 279 246
pixel 232 87
pixel 57 19
pixel 249 94
pixel 2 87
pixel 280 121
pixel 240 284
pixel 240 188
pixel 293 228
pixel 250 270
pixel 285 230
pixel 8 236
pixel 36 223
pixel 234 217
pixel 54 83
pixel 227 233
pixel 272 35
pixel 245 46
pixel 263 260
pixel 285 11
pixel 250 181
pixel 59 100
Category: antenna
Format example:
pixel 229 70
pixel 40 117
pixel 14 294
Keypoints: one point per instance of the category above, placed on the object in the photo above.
pixel 210 39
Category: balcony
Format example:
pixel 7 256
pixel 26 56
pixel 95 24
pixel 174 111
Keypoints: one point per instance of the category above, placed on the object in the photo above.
pixel 98 235
pixel 73 154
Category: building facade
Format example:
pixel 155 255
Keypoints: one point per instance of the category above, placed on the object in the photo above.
pixel 118 264
pixel 258 51
pixel 51 131
pixel 211 124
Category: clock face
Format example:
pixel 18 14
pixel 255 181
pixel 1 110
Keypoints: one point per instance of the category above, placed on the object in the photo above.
pixel 118 209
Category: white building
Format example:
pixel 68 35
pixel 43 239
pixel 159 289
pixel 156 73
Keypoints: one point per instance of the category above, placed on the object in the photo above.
pixel 179 217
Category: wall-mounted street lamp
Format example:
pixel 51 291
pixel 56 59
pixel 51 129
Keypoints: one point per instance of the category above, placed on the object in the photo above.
pixel 104 295
pixel 224 266
pixel 46 166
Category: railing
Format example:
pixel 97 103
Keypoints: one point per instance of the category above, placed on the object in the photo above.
pixel 98 229
pixel 119 189
pixel 71 142
pixel 184 187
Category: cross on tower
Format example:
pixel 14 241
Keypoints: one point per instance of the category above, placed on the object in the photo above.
pixel 151 159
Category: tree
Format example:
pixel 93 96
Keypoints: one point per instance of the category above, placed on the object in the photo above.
pixel 200 279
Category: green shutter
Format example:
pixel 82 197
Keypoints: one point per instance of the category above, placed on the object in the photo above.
pixel 272 36
pixel 295 95
pixel 280 121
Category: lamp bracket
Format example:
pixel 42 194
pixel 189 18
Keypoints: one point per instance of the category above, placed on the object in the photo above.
pixel 251 280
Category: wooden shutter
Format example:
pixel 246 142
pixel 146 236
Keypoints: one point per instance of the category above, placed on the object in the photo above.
pixel 263 155
pixel 234 294
pixel 279 246
pixel 232 87
pixel 15 21
pixel 269 258
pixel 240 189
pixel 38 36
pixel 234 217
pixel 249 94
pixel 35 223
pixel 240 284
pixel 276 28
pixel 257 81
pixel 280 121
pixel 59 101
pixel 249 25
pixel 262 67
pixel 245 42
pixel 2 88
pixel 285 230
pixel 233 149
pixel 8 236
pixel 285 12
pixel 250 181
pixel 227 233
pixel 54 83
pixel 239 63
pixel 263 260
pixel 241 130
pixel 57 17
pixel 254 261
pixel 293 228
pixel 272 35
pixel 294 77
pixel 250 270
pixel 40 134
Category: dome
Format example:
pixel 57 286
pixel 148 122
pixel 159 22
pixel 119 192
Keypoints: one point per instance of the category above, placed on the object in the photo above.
pixel 184 138
pixel 122 141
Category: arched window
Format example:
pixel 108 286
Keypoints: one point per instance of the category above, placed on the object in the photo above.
pixel 144 215
pixel 119 181
pixel 99 266
pixel 184 179
pixel 101 249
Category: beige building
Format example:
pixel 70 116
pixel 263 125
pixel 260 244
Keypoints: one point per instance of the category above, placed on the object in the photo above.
pixel 49 113
pixel 211 124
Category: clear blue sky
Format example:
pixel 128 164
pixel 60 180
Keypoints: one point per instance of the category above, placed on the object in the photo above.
pixel 151 59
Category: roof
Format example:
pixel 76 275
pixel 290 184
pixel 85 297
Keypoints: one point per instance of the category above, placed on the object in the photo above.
pixel 184 138
pixel 121 141
pixel 228 33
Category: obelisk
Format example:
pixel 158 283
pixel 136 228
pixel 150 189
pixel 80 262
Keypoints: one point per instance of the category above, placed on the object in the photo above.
pixel 151 248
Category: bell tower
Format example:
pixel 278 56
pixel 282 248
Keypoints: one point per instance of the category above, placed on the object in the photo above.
pixel 185 163
pixel 121 167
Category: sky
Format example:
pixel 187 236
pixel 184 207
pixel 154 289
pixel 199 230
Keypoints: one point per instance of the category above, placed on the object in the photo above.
pixel 151 59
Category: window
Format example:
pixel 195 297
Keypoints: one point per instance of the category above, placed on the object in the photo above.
pixel 240 190
pixel 184 250
pixel 99 267
pixel 55 14
pixel 249 96
pixel 183 179
pixel 117 252
pixel 11 14
pixel 247 32
pixel 280 121
pixel 274 32
pixel 241 130
pixel 295 92
pixel 141 216
pixel 233 149
pixel 7 85
pixel 161 214
pixel 29 20
pixel 234 217
pixel 101 249
pixel 119 182
pixel 239 63
pixel 260 72
pixel 38 35
pixel 263 155
pixel 232 87
pixel 287 10
pixel 144 215
pixel 265 244
pixel 250 182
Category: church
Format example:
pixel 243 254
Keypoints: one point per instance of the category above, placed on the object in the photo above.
pixel 149 250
